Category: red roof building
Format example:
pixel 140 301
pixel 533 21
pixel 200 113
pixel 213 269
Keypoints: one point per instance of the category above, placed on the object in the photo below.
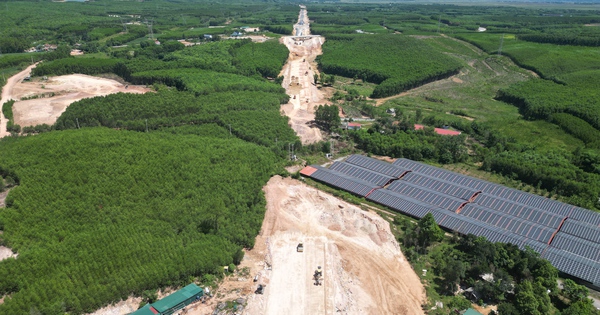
pixel 440 131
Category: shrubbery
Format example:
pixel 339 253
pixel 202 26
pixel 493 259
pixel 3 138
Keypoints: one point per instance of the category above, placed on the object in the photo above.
pixel 395 62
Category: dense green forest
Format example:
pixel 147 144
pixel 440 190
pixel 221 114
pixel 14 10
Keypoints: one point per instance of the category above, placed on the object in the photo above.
pixel 123 212
pixel 517 281
pixel 396 63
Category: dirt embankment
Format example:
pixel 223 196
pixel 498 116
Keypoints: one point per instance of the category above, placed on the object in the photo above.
pixel 299 82
pixel 364 271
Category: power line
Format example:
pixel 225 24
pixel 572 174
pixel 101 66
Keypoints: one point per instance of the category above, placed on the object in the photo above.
pixel 501 43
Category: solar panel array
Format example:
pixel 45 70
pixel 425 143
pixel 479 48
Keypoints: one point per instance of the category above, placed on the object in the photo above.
pixel 426 195
pixel 376 165
pixel 343 181
pixel 361 173
pixel 566 235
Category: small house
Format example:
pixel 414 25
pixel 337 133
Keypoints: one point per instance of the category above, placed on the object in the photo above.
pixel 351 126
pixel 236 34
pixel 207 36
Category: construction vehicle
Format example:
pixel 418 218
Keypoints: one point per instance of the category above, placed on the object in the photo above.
pixel 318 276
pixel 300 248
pixel 260 289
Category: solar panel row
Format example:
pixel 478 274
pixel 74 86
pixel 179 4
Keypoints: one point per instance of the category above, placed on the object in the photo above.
pixel 581 229
pixel 426 195
pixel 401 203
pixel 519 210
pixel 439 185
pixel 576 246
pixel 507 222
pixel 376 165
pixel 361 173
pixel 574 265
pixel 343 181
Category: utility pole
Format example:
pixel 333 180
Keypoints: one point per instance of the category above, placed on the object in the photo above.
pixel 501 42
pixel 230 129
pixel 146 125
pixel 77 120
pixel 439 20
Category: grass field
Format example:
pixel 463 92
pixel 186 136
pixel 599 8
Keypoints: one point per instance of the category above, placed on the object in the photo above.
pixel 473 92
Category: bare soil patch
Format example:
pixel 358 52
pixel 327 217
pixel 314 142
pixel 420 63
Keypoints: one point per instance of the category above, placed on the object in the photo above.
pixel 57 93
pixel 124 307
pixel 6 252
pixel 3 198
pixel 364 271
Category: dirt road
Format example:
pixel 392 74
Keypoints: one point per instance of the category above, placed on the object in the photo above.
pixel 7 95
pixel 364 271
pixel 299 82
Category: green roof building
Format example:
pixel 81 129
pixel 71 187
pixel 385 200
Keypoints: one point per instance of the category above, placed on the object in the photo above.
pixel 173 302
pixel 471 311
pixel 146 310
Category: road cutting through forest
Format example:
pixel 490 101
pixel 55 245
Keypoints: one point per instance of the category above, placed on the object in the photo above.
pixel 298 80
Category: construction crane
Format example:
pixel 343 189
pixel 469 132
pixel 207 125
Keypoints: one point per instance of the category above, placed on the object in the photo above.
pixel 318 276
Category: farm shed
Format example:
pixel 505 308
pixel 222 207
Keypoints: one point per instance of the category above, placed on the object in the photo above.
pixel 173 302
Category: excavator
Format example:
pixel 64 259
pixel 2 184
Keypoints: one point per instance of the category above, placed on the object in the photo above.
pixel 318 276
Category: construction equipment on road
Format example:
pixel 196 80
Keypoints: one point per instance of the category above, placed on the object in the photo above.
pixel 318 276
pixel 260 289
pixel 300 248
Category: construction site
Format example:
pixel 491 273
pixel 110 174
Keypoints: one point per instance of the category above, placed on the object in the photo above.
pixel 298 74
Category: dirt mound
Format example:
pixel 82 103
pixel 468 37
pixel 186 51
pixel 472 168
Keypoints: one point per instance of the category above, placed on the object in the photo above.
pixel 364 271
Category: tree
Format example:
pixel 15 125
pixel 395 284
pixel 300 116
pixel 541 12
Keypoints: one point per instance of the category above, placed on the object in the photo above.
pixel 453 273
pixel 419 115
pixel 429 231
pixel 507 309
pixel 526 301
pixel 583 307
pixel 574 292
pixel 327 116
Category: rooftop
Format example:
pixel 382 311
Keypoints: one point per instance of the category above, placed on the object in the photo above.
pixel 177 297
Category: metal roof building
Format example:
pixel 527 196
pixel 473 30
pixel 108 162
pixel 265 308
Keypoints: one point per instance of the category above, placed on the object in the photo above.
pixel 172 303
pixel 566 235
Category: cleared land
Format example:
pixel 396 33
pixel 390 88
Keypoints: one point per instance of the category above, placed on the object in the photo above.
pixel 298 81
pixel 65 90
pixel 364 270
